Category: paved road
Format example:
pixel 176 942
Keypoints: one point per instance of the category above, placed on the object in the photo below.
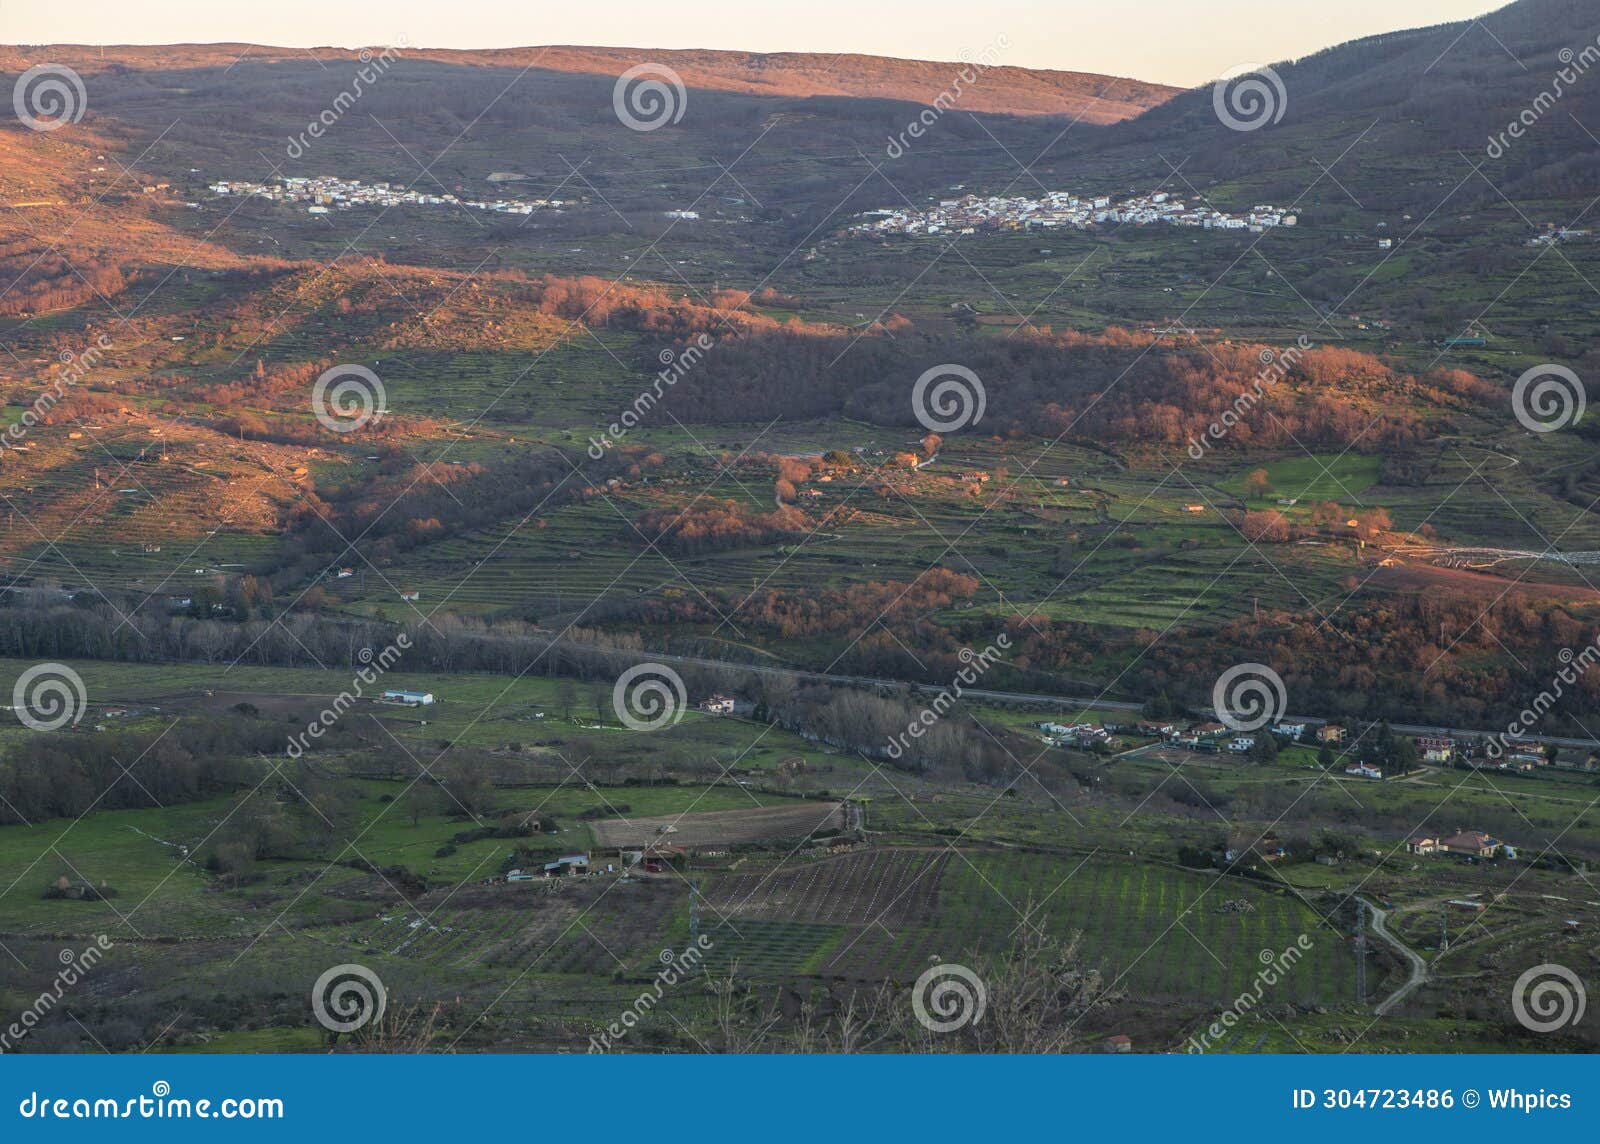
pixel 1419 967
pixel 1066 703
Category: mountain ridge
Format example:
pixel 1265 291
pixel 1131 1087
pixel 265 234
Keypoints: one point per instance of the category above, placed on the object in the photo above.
pixel 999 89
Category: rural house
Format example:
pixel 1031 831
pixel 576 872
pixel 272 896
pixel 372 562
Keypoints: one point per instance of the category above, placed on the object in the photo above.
pixel 1244 844
pixel 409 698
pixel 1471 843
pixel 572 865
pixel 1436 749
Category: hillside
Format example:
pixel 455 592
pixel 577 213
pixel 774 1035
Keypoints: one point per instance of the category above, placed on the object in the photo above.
pixel 1398 100
pixel 1002 90
pixel 774 528
pixel 508 341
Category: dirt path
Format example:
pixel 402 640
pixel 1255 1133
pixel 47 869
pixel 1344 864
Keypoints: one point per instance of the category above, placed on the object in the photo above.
pixel 1419 967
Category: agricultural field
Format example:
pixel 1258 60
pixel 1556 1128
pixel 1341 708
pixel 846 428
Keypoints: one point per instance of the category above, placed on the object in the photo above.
pixel 660 430
pixel 727 827
pixel 781 885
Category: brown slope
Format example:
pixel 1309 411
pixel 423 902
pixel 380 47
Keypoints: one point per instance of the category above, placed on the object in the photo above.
pixel 1000 90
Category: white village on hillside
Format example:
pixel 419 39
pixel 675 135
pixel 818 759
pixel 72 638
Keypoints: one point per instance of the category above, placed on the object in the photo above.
pixel 970 214
pixel 327 193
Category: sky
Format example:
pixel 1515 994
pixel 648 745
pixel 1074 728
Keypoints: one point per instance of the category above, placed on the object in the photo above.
pixel 1185 42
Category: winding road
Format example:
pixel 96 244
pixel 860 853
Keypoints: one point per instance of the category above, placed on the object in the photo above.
pixel 1419 967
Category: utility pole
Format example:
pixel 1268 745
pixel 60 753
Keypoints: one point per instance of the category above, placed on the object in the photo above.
pixel 1361 951
pixel 694 915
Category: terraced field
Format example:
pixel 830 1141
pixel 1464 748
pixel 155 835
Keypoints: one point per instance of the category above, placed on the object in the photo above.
pixel 723 828
pixel 1161 931
pixel 892 887
pixel 886 914
pixel 765 949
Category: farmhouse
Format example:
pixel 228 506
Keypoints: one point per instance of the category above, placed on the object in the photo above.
pixel 572 865
pixel 1243 844
pixel 409 698
pixel 1436 749
pixel 654 858
pixel 1364 771
pixel 717 705
pixel 1422 844
pixel 1075 734
pixel 1331 733
pixel 1471 843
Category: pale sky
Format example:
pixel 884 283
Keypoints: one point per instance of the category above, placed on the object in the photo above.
pixel 1183 42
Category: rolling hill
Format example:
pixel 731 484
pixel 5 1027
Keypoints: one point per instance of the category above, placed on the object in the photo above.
pixel 1439 95
pixel 1002 90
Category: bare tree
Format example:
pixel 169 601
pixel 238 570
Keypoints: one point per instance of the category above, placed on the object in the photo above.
pixel 401 1029
pixel 745 1018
